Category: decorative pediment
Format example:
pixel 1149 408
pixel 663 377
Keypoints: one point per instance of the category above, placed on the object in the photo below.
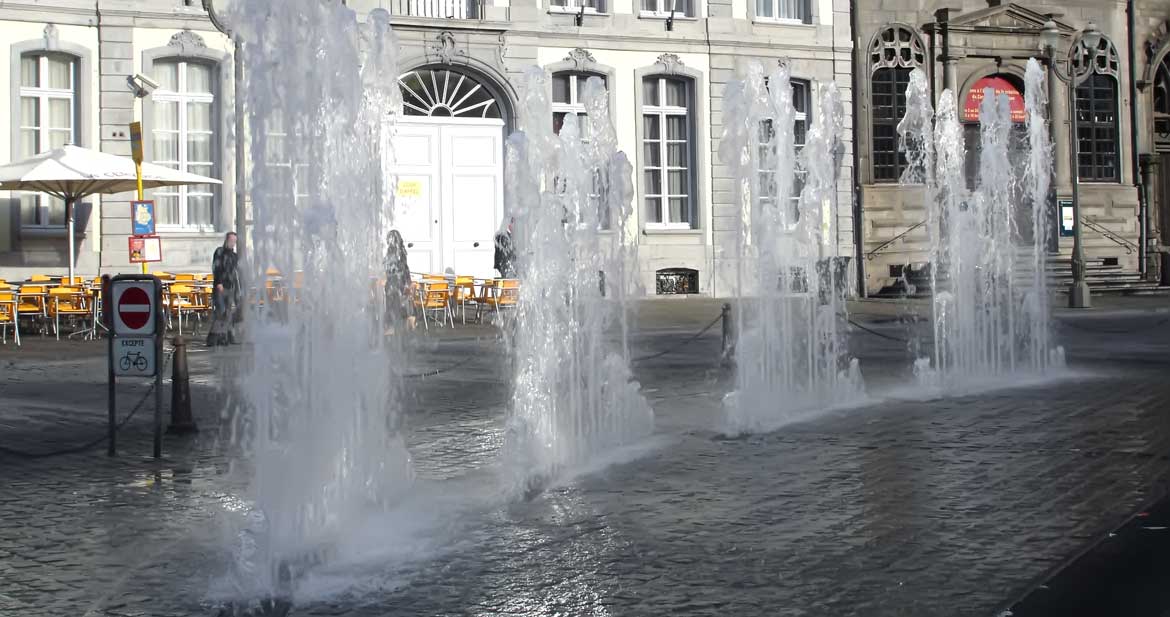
pixel 187 42
pixel 671 63
pixel 581 58
pixel 51 36
pixel 1007 17
pixel 446 48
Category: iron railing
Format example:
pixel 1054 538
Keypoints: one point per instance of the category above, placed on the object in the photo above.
pixel 870 255
pixel 1130 247
pixel 437 9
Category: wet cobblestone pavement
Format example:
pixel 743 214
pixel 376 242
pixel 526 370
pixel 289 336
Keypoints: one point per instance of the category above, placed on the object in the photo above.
pixel 953 506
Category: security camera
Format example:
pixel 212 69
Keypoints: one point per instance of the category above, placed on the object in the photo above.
pixel 142 85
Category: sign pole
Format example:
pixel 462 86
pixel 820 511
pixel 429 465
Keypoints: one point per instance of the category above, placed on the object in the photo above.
pixel 136 319
pixel 158 355
pixel 111 380
pixel 136 153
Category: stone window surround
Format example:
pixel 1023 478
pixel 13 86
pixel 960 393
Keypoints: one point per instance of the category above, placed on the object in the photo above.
pixel 812 9
pixel 699 153
pixel 1110 71
pixel 220 63
pixel 83 98
pixel 867 98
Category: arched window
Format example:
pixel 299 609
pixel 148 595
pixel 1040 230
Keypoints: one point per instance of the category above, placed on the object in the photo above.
pixel 184 137
pixel 48 119
pixel 1097 114
pixel 1162 102
pixel 668 146
pixel 446 93
pixel 893 54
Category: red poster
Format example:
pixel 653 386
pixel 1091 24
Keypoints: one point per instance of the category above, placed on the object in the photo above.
pixel 1002 86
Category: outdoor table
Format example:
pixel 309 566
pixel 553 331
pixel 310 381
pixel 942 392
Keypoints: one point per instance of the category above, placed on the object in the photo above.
pixel 13 303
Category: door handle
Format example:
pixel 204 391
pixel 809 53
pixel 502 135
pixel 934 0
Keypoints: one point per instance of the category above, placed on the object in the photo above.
pixel 476 245
pixel 409 245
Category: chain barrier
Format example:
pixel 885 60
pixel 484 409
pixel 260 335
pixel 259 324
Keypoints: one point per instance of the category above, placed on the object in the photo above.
pixel 439 371
pixel 98 441
pixel 679 345
pixel 878 334
pixel 1114 330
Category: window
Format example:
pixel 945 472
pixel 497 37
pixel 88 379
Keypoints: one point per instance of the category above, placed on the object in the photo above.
pixel 800 105
pixel 574 6
pixel 791 11
pixel 290 174
pixel 894 53
pixel 445 93
pixel 668 184
pixel 48 120
pixel 1097 129
pixel 183 138
pixel 1162 102
pixel 568 90
pixel 663 8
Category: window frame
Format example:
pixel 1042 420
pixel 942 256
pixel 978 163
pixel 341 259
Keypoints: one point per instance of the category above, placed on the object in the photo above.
pixel 1095 70
pixel 182 98
pixel 662 10
pixel 806 6
pixel 43 93
pixel 900 55
pixel 898 107
pixel 662 112
pixel 572 7
pixel 799 174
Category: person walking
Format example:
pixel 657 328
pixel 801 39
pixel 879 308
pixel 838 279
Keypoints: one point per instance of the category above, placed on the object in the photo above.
pixel 505 257
pixel 225 293
pixel 398 284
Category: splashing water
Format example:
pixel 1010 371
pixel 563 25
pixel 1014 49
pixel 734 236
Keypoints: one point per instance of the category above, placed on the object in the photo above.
pixel 790 354
pixel 574 394
pixel 990 302
pixel 322 432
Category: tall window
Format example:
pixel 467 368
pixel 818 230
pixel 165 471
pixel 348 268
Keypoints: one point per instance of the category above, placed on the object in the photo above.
pixel 1162 103
pixel 894 53
pixel 662 8
pixel 184 139
pixel 1097 129
pixel 48 120
pixel 568 89
pixel 800 105
pixel 668 183
pixel 790 11
pixel 573 6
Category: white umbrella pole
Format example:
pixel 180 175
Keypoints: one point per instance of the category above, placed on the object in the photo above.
pixel 69 220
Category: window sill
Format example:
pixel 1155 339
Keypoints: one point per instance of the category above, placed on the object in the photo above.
pixel 671 231
pixel 665 16
pixel 561 10
pixel 779 21
pixel 186 232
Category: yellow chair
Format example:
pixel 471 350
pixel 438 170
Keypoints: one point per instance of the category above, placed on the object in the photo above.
pixel 8 318
pixel 70 302
pixel 183 299
pixel 500 294
pixel 31 303
pixel 464 294
pixel 40 278
pixel 435 296
pixel 164 276
pixel 186 277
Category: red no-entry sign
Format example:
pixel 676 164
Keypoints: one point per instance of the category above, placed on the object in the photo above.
pixel 134 308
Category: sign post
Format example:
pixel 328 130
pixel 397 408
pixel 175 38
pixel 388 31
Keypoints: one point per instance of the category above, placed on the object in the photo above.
pixel 136 154
pixel 135 319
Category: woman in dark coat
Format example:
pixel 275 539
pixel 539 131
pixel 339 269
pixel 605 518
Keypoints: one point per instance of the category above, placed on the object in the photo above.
pixel 225 275
pixel 398 298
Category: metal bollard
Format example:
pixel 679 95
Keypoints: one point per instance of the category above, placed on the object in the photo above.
pixel 182 423
pixel 728 335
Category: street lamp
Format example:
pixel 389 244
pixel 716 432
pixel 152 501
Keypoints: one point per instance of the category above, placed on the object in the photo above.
pixel 1090 41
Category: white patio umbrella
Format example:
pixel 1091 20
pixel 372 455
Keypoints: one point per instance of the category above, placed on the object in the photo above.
pixel 71 173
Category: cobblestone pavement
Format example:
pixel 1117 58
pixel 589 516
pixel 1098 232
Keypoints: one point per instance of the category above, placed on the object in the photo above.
pixel 953 506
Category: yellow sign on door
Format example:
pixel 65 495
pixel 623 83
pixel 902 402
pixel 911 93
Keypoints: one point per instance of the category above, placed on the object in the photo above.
pixel 409 188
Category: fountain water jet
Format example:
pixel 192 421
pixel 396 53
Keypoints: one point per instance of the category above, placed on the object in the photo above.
pixel 990 301
pixel 791 355
pixel 321 432
pixel 574 395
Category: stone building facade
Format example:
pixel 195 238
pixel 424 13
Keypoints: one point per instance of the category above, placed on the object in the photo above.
pixel 665 63
pixel 967 45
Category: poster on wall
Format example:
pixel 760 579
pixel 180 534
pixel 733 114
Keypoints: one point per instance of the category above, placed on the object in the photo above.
pixel 145 249
pixel 1066 217
pixel 142 218
pixel 1000 85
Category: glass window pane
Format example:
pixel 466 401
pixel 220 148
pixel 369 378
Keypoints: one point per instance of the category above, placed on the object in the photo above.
pixel 679 212
pixel 652 182
pixel 199 116
pixel 56 210
pixel 58 139
pixel 166 116
pixel 558 121
pixel 166 147
pixel 167 75
pixel 651 154
pixel 799 96
pixel 650 91
pixel 764 8
pixel 676 127
pixel 30 112
pixel 649 5
pixel 201 170
pixel 30 142
pixel 677 182
pixel 28 209
pixel 676 93
pixel 60 72
pixel 29 71
pixel 198 78
pixel 799 129
pixel 167 208
pixel 560 88
pixel 676 155
pixel 60 114
pixel 199 148
pixel 650 128
pixel 654 209
pixel 199 210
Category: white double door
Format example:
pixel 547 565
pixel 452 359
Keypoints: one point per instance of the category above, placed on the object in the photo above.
pixel 449 197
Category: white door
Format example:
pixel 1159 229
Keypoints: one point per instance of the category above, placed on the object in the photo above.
pixel 451 203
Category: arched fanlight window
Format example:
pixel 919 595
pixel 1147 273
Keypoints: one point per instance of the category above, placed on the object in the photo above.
pixel 894 52
pixel 1097 110
pixel 443 92
pixel 1162 102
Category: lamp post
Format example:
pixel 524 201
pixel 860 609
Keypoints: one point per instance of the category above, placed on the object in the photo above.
pixel 1090 40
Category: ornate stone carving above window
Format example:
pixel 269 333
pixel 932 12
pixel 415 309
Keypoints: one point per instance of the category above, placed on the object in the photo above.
pixel 446 48
pixel 581 59
pixel 896 46
pixel 187 42
pixel 1107 61
pixel 51 37
pixel 671 63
